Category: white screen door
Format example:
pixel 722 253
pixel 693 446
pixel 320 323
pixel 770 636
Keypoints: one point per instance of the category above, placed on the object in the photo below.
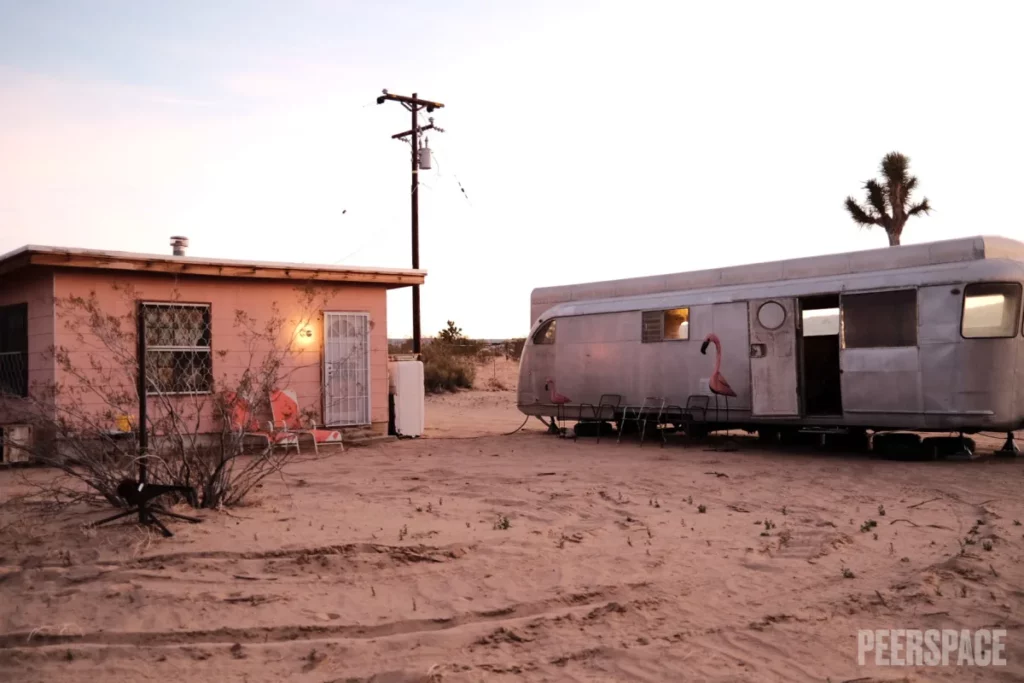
pixel 346 369
pixel 773 358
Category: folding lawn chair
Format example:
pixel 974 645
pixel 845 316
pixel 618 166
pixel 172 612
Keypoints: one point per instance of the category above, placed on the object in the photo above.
pixel 245 425
pixel 285 408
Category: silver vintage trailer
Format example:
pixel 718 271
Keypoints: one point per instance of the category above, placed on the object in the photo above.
pixel 922 337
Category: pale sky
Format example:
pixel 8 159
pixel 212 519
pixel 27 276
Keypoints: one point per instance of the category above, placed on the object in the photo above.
pixel 594 140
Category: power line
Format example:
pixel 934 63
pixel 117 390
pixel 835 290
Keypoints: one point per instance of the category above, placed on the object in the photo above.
pixel 454 175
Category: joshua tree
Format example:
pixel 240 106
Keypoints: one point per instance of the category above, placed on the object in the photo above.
pixel 888 204
pixel 451 334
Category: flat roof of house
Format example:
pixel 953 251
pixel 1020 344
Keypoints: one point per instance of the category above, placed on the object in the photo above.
pixel 93 259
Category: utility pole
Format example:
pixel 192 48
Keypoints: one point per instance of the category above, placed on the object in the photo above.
pixel 414 104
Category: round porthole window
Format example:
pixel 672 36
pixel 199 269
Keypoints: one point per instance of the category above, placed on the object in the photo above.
pixel 771 315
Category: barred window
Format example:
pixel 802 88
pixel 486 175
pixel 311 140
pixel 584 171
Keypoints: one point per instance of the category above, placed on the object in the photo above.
pixel 178 356
pixel 14 350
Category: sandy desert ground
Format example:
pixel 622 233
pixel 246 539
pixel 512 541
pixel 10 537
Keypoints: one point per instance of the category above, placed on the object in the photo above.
pixel 470 556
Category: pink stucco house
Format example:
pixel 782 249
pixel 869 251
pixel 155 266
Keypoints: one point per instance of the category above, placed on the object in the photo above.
pixel 189 306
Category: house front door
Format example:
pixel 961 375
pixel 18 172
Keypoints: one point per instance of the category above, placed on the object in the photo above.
pixel 346 369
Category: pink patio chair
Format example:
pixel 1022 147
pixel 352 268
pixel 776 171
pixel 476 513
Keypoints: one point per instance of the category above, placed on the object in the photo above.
pixel 244 422
pixel 284 404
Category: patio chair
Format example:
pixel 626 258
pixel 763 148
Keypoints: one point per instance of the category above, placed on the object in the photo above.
pixel 695 412
pixel 243 422
pixel 609 402
pixel 284 405
pixel 698 403
pixel 671 419
pixel 650 411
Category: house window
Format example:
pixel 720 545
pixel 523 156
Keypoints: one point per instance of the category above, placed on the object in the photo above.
pixel 14 350
pixel 178 357
pixel 667 325
pixel 991 309
pixel 880 319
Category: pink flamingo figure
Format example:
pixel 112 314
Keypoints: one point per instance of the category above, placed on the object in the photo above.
pixel 560 400
pixel 717 383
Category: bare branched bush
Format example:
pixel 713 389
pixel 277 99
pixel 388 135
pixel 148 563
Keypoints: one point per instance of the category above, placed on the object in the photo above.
pixel 199 425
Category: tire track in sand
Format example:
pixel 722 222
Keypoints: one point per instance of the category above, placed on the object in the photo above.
pixel 277 634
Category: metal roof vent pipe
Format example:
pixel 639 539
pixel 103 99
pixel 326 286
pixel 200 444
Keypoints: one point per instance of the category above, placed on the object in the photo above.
pixel 179 243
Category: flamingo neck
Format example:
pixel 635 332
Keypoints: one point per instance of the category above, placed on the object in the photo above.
pixel 718 354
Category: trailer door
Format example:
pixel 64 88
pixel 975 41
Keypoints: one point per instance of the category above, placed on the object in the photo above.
pixel 774 363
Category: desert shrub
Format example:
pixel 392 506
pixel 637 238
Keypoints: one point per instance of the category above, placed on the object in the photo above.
pixel 469 348
pixel 514 348
pixel 445 369
pixel 400 347
pixel 490 351
pixel 459 344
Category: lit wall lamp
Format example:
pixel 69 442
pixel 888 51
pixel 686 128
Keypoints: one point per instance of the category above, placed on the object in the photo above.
pixel 305 334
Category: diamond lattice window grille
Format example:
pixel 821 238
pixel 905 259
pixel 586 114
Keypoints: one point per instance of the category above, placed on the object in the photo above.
pixel 178 354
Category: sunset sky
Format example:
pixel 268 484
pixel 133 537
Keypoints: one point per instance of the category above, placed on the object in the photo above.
pixel 594 140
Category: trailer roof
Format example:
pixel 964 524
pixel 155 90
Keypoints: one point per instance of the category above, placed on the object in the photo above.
pixel 848 263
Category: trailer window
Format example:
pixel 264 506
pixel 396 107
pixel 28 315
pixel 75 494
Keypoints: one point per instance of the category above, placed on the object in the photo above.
pixel 672 324
pixel 880 319
pixel 546 333
pixel 991 309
